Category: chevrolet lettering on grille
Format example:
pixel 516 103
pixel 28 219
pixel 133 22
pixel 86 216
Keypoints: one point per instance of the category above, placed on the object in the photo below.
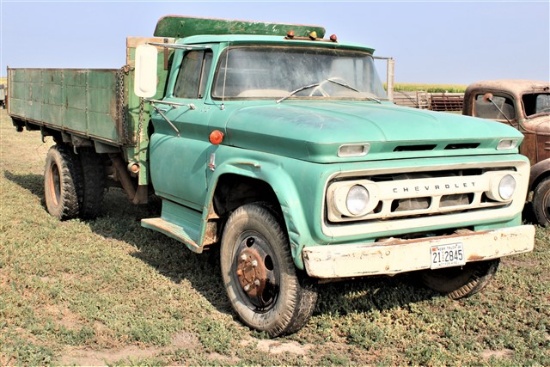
pixel 432 188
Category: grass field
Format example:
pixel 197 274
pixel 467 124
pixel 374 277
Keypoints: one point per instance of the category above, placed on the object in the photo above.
pixel 110 292
pixel 430 88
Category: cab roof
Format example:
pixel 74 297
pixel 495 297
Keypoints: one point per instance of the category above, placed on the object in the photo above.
pixel 512 86
pixel 275 40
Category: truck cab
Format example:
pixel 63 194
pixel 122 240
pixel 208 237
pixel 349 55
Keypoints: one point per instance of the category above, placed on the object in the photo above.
pixel 524 105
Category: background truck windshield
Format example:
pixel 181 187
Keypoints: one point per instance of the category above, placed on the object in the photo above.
pixel 275 72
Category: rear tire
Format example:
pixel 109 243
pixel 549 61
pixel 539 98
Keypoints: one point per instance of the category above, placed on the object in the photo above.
pixel 461 282
pixel 541 202
pixel 93 184
pixel 264 287
pixel 61 183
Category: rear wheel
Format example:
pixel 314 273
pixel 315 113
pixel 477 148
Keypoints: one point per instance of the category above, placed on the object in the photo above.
pixel 461 282
pixel 93 184
pixel 541 203
pixel 265 289
pixel 61 183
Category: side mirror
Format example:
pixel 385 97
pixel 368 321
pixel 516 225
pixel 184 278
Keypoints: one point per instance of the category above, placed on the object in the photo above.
pixel 145 76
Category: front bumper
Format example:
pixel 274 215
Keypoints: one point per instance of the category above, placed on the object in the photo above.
pixel 398 256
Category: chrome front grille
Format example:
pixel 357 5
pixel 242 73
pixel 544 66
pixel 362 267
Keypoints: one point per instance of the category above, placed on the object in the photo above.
pixel 435 196
pixel 425 193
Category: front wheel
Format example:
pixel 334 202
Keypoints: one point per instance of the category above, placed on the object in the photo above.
pixel 265 289
pixel 463 281
pixel 541 203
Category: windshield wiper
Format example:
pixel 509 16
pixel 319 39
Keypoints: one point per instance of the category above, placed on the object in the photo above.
pixel 345 85
pixel 297 90
pixel 342 84
pixel 335 81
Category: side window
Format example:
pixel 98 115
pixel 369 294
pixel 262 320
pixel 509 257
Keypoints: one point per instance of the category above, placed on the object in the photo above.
pixel 501 108
pixel 193 74
pixel 536 103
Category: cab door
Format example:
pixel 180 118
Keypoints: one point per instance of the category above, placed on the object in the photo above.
pixel 178 146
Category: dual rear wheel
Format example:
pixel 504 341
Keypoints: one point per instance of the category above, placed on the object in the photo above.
pixel 74 184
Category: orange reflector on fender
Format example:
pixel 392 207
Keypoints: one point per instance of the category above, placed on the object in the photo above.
pixel 216 137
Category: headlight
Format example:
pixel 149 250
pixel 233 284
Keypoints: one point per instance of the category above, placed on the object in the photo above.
pixel 357 200
pixel 351 199
pixel 507 187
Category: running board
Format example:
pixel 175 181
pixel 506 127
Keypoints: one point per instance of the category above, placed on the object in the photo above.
pixel 179 223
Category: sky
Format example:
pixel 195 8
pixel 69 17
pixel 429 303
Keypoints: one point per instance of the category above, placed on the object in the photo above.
pixel 433 42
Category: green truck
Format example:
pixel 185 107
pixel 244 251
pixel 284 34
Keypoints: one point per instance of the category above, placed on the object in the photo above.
pixel 278 146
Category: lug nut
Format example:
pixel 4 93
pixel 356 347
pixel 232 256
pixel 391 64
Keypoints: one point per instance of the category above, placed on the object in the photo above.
pixel 254 263
pixel 247 287
pixel 244 257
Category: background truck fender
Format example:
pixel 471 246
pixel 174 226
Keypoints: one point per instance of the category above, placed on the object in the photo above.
pixel 539 171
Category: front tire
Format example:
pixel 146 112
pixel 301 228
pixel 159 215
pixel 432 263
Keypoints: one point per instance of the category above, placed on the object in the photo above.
pixel 62 182
pixel 264 287
pixel 541 203
pixel 461 282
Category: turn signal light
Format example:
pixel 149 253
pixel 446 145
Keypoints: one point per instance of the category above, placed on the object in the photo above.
pixel 216 137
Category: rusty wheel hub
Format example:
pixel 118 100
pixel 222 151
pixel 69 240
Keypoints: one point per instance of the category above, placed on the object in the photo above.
pixel 252 272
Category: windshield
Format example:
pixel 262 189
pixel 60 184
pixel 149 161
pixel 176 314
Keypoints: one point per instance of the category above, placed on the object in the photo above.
pixel 296 72
pixel 536 103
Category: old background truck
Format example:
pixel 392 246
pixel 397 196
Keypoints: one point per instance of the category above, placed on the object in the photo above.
pixel 2 96
pixel 525 105
pixel 280 148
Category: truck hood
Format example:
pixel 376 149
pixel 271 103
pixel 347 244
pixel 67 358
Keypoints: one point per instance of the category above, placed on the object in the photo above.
pixel 314 131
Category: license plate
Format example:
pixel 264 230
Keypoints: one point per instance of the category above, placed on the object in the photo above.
pixel 444 256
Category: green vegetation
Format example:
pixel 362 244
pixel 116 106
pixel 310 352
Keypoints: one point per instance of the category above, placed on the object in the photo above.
pixel 108 291
pixel 430 88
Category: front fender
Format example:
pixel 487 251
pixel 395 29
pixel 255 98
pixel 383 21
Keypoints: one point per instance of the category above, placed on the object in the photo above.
pixel 284 188
pixel 539 171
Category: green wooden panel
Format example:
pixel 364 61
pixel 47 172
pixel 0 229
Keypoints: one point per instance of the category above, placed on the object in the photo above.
pixel 76 97
pixel 19 90
pixel 179 27
pixel 52 112
pixel 75 120
pixel 53 94
pixel 101 102
pixel 76 100
pixel 74 77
